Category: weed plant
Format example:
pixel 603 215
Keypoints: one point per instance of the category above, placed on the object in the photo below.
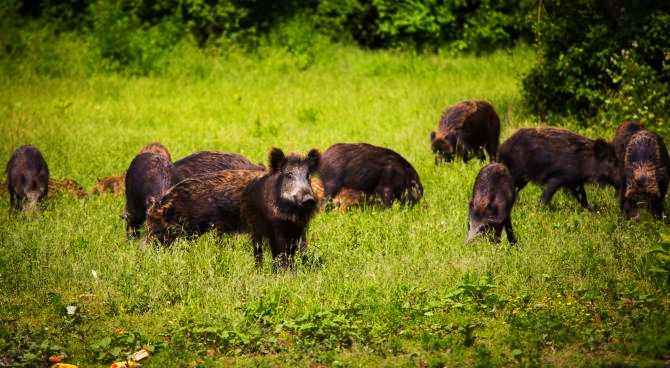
pixel 381 287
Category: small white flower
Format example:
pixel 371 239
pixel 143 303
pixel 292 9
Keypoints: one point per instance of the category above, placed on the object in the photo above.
pixel 71 309
pixel 95 274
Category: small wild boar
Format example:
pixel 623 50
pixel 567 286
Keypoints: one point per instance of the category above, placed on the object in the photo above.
pixel 279 205
pixel 372 170
pixel 204 162
pixel 644 175
pixel 198 204
pixel 27 178
pixel 559 158
pixel 490 208
pixel 343 200
pixel 464 129
pixel 147 178
pixel 61 186
pixel 115 184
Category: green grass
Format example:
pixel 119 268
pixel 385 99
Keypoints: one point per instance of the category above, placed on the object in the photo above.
pixel 383 287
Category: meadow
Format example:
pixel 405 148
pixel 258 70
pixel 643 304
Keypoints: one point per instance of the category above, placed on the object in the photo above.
pixel 381 287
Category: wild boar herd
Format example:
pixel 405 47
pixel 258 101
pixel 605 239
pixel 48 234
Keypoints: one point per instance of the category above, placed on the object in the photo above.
pixel 636 164
pixel 226 192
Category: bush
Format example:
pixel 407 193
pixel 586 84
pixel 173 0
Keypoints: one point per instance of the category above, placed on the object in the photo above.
pixel 457 25
pixel 601 58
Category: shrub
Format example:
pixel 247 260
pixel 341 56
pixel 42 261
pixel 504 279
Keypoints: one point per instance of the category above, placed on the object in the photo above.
pixel 602 58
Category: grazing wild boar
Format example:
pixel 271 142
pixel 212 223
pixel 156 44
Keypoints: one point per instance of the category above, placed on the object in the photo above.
pixel 559 158
pixel 199 204
pixel 623 133
pixel 464 129
pixel 62 186
pixel 372 170
pixel 204 162
pixel 27 178
pixel 644 175
pixel 147 178
pixel 490 208
pixel 279 205
pixel 116 184
pixel 158 149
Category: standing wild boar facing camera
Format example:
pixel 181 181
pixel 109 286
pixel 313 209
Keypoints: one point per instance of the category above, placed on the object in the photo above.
pixel 27 178
pixel 490 208
pixel 371 170
pixel 464 129
pixel 279 205
pixel 644 175
pixel 199 204
pixel 559 158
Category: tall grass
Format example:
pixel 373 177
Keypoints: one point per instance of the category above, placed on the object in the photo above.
pixel 382 286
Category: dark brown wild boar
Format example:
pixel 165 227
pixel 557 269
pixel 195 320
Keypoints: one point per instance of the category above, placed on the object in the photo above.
pixel 644 175
pixel 157 148
pixel 559 158
pixel 204 162
pixel 490 207
pixel 279 205
pixel 27 178
pixel 464 130
pixel 375 171
pixel 198 204
pixel 116 184
pixel 147 178
pixel 623 133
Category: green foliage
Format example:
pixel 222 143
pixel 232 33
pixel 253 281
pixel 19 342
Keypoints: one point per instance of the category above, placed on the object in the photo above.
pixel 137 35
pixel 124 43
pixel 454 25
pixel 26 350
pixel 614 67
pixel 660 257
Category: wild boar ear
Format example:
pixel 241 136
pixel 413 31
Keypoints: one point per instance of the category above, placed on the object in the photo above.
pixel 277 159
pixel 432 136
pixel 602 149
pixel 313 159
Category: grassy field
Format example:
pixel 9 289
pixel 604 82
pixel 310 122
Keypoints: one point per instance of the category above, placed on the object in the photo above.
pixel 383 287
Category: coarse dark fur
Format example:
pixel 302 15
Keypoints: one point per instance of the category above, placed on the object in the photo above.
pixel 559 158
pixel 27 178
pixel 204 162
pixel 279 205
pixel 115 184
pixel 147 178
pixel 464 130
pixel 373 170
pixel 157 148
pixel 490 207
pixel 623 133
pixel 62 186
pixel 199 204
pixel 644 175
